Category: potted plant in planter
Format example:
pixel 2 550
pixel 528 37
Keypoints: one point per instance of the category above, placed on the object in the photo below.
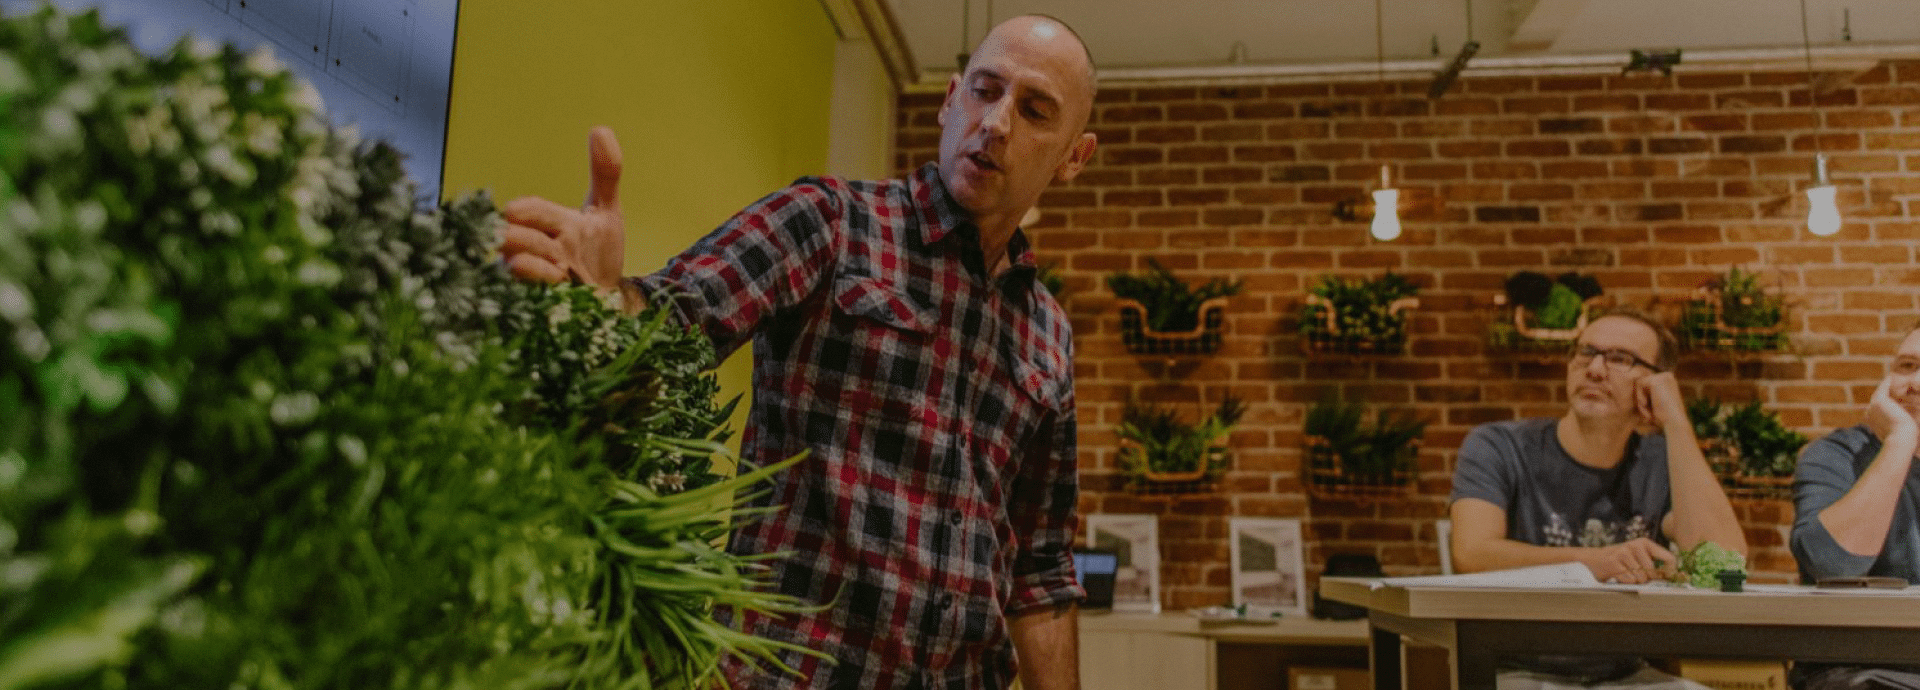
pixel 1538 313
pixel 1735 312
pixel 1160 453
pixel 1348 458
pixel 1160 314
pixel 1747 446
pixel 1357 317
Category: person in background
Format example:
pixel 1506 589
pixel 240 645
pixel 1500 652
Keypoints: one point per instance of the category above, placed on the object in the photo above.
pixel 901 339
pixel 1856 504
pixel 1592 486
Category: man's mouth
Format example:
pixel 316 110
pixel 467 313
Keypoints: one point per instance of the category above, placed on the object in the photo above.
pixel 983 162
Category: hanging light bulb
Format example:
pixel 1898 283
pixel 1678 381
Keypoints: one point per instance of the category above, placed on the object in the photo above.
pixel 1386 209
pixel 1823 210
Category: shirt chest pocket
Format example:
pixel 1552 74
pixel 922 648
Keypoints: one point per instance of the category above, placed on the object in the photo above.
pixel 879 336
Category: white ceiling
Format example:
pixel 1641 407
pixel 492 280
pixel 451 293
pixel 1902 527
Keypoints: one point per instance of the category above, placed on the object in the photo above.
pixel 1171 39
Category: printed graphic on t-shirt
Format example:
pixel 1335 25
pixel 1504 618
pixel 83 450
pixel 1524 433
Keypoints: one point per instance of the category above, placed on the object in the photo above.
pixel 1597 532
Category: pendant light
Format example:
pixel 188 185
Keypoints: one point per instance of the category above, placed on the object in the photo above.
pixel 1386 199
pixel 1823 208
pixel 1386 209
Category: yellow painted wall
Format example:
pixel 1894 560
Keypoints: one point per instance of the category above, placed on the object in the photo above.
pixel 715 102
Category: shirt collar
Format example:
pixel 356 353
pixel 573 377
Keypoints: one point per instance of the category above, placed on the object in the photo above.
pixel 942 217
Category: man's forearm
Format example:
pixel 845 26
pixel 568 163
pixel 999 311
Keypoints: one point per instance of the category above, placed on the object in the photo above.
pixel 1701 511
pixel 1047 642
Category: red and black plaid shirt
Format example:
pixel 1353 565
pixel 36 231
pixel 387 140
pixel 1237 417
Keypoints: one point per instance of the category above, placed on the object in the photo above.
pixel 938 405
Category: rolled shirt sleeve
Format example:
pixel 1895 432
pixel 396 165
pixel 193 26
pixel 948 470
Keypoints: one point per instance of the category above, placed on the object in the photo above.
pixel 1828 468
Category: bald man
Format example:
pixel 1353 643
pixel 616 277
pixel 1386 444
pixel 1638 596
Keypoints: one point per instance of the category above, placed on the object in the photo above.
pixel 899 337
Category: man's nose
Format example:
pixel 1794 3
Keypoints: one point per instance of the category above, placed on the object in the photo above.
pixel 996 119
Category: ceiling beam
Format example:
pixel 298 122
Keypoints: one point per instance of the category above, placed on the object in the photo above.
pixel 1544 24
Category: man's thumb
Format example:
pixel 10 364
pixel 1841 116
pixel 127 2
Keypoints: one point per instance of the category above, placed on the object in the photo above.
pixel 603 150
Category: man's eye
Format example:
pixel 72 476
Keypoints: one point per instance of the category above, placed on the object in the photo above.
pixel 1905 367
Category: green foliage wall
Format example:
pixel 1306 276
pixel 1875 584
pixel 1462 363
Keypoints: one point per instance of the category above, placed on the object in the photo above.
pixel 272 423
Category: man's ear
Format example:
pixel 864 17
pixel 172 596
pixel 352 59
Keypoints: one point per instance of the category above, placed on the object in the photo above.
pixel 940 116
pixel 1077 157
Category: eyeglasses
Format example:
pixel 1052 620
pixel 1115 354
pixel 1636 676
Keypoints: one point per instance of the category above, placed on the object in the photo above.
pixel 1617 359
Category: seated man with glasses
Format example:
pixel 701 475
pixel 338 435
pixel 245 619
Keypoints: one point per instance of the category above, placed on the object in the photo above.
pixel 1617 483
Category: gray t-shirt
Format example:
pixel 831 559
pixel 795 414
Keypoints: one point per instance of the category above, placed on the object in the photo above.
pixel 1553 500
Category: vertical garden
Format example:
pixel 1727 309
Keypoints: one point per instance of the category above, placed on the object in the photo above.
pixel 266 421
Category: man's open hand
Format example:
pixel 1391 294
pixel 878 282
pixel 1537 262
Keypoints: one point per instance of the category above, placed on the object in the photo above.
pixel 549 243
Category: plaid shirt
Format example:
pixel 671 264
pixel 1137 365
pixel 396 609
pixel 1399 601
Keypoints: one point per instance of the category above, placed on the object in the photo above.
pixel 937 403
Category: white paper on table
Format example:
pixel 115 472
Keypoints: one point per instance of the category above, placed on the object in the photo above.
pixel 1855 591
pixel 1569 575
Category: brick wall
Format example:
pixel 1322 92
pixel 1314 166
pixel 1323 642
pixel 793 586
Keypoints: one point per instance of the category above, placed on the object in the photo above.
pixel 1651 183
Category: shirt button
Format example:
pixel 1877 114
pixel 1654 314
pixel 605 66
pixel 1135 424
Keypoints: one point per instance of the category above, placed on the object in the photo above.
pixel 955 518
pixel 945 601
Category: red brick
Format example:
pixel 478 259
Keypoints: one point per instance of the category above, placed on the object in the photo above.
pixel 1711 80
pixel 1266 195
pixel 1399 150
pixel 1787 120
pixel 1364 130
pixel 1196 112
pixel 1746 100
pixel 1233 132
pixel 1539 192
pixel 1678 101
pixel 1264 110
pixel 1179 218
pixel 1573 170
pixel 1505 170
pixel 1161 177
pixel 1612 102
pixel 1469 149
pixel 1192 196
pixel 1466 106
pixel 1264 153
pixel 1714 122
pixel 1502 127
pixel 1686 234
pixel 1129 114
pixel 1300 129
pixel 1165 134
pixel 1539 148
pixel 1197 154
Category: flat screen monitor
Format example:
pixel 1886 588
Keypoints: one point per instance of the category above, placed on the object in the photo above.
pixel 384 66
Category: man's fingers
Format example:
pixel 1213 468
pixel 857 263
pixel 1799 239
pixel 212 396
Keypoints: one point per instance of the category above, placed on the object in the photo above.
pixel 603 151
pixel 534 269
pixel 520 239
pixel 539 214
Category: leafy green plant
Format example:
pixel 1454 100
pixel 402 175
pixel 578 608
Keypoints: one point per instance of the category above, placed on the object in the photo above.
pixel 1365 452
pixel 1050 277
pixel 1358 315
pixel 1554 303
pixel 1762 445
pixel 1171 304
pixel 270 423
pixel 1736 311
pixel 1167 444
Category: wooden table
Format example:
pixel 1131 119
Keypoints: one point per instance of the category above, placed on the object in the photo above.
pixel 1478 624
